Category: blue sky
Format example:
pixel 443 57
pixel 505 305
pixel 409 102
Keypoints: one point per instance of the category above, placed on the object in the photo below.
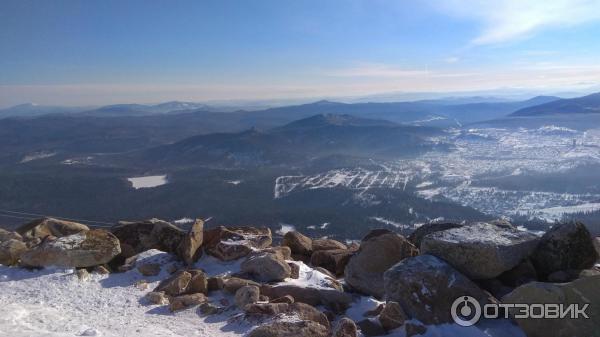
pixel 97 52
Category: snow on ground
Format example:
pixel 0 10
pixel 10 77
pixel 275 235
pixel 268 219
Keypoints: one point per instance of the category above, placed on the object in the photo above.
pixel 148 181
pixel 55 303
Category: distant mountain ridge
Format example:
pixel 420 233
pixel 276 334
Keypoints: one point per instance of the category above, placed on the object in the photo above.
pixel 579 105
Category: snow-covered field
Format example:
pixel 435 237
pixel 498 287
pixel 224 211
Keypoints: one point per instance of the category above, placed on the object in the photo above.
pixel 55 303
pixel 479 154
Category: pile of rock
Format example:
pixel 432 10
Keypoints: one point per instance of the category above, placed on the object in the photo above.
pixel 418 278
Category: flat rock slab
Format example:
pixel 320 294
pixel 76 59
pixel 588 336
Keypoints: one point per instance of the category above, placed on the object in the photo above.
pixel 480 250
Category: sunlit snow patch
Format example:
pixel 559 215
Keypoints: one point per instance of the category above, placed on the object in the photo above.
pixel 148 181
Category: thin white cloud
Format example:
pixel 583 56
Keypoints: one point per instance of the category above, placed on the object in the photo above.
pixel 376 70
pixel 508 20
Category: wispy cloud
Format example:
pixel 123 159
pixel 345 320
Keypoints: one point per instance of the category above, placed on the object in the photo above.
pixel 507 20
pixel 377 70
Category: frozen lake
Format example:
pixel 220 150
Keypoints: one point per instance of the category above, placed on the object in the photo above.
pixel 148 181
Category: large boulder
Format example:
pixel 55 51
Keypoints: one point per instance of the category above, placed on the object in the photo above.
pixel 176 284
pixel 290 329
pixel 298 243
pixel 480 250
pixel 392 316
pixel 84 249
pixel 335 300
pixel 8 235
pixel 345 327
pixel 266 267
pixel 417 236
pixel 186 301
pixel 246 295
pixel 334 261
pixel 565 246
pixel 327 244
pixel 582 291
pixel 426 286
pixel 11 251
pixel 41 228
pixel 189 247
pixel 137 237
pixel 308 313
pixel 232 243
pixel 377 254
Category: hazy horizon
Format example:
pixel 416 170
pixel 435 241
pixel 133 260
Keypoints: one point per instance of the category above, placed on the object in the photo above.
pixel 66 53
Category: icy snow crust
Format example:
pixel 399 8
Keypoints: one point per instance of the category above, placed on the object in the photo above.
pixel 55 303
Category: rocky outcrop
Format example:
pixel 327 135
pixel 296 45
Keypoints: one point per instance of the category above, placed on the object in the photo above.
pixel 8 235
pixel 377 254
pixel 290 329
pixel 137 237
pixel 334 261
pixel 564 246
pixel 582 291
pixel 298 243
pixel 480 250
pixel 426 286
pixel 232 243
pixel 392 316
pixel 336 300
pixel 308 313
pixel 176 284
pixel 417 236
pixel 11 251
pixel 157 297
pixel 345 327
pixel 246 295
pixel 41 228
pixel 266 267
pixel 84 249
pixel 189 247
pixel 186 301
pixel 327 244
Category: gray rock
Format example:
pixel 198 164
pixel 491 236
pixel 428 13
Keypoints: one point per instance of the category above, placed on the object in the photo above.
pixel 157 297
pixel 7 235
pixel 176 284
pixel 11 251
pixel 345 327
pixel 42 228
pixel 327 244
pixel 426 286
pixel 417 236
pixel 333 299
pixel 266 267
pixel 392 316
pixel 137 237
pixel 84 249
pixel 246 295
pixel 582 291
pixel 186 301
pixel 564 246
pixel 232 243
pixel 480 250
pixel 308 313
pixel 298 243
pixel 371 327
pixel 290 329
pixel 189 247
pixel 364 271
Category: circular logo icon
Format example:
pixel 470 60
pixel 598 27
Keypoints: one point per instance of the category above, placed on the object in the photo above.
pixel 465 311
